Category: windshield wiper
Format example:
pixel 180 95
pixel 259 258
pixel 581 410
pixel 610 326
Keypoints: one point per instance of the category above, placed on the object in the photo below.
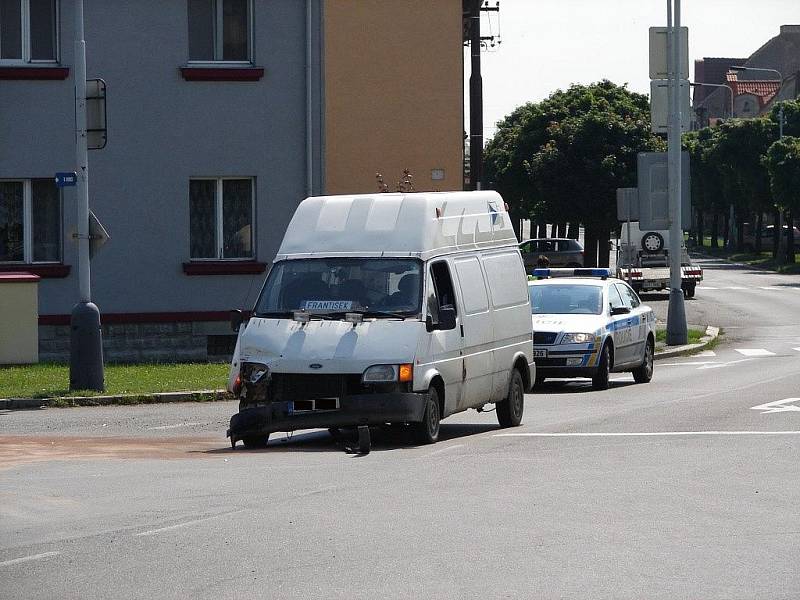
pixel 289 314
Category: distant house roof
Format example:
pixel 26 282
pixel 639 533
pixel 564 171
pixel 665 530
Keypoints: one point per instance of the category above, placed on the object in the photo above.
pixel 711 70
pixel 764 90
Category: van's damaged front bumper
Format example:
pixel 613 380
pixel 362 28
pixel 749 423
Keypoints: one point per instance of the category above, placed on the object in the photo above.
pixel 361 409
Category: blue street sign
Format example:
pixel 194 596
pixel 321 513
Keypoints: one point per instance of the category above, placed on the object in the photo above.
pixel 66 179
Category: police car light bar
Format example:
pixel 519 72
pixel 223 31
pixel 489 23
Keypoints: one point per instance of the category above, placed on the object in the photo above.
pixel 578 272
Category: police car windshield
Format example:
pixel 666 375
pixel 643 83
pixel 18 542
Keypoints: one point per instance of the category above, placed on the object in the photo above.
pixel 566 299
pixel 384 286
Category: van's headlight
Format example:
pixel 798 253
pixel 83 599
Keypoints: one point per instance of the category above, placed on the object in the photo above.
pixel 388 373
pixel 577 338
pixel 253 373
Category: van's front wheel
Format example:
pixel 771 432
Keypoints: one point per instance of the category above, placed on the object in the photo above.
pixel 509 411
pixel 427 431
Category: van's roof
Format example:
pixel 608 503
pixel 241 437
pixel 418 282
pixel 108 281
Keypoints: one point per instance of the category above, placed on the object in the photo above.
pixel 399 224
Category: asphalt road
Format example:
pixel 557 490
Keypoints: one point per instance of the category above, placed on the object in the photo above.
pixel 682 488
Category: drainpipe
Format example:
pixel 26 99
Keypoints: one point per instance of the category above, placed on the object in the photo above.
pixel 309 99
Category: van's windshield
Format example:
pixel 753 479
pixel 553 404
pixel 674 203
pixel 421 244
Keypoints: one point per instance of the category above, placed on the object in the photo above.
pixel 380 287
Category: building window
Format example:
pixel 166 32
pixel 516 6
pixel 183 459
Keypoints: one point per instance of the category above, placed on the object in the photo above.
pixel 220 30
pixel 28 31
pixel 30 221
pixel 221 218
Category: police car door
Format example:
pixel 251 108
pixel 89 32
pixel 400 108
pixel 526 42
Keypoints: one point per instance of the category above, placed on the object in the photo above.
pixel 639 317
pixel 620 326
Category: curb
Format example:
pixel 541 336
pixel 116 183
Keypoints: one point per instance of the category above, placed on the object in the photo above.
pixel 712 333
pixel 122 399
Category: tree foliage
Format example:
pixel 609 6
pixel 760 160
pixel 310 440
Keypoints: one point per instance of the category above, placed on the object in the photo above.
pixel 564 157
pixel 782 161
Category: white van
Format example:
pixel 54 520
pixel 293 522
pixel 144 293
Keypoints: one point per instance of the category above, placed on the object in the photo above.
pixel 386 308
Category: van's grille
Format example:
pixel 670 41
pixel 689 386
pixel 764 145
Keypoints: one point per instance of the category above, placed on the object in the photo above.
pixel 293 386
pixel 544 337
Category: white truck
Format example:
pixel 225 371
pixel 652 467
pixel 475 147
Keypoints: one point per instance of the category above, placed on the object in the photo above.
pixel 643 261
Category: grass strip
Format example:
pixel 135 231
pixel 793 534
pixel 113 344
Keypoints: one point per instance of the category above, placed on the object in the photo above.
pixel 47 380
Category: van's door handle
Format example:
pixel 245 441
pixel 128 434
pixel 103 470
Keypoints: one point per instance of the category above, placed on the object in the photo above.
pixel 462 330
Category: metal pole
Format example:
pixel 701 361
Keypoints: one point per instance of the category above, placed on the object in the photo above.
pixel 677 333
pixel 475 98
pixel 86 343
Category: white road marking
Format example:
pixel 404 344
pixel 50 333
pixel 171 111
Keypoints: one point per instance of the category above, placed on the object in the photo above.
pixel 725 364
pixel 646 434
pixel 705 287
pixel 186 524
pixel 777 406
pixel 174 426
pixel 706 353
pixel 754 352
pixel 733 288
pixel 688 363
pixel 15 561
pixel 447 449
pixel 769 287
pixel 798 349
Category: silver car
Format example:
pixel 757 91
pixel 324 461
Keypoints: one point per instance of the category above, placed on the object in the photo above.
pixel 561 252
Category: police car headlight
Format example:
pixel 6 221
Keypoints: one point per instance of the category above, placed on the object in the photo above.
pixel 577 338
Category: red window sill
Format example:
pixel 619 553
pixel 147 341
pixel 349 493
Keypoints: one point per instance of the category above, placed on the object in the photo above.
pixel 40 73
pixel 224 267
pixel 222 73
pixel 44 271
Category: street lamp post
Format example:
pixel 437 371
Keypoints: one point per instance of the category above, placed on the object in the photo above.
pixel 86 341
pixel 716 85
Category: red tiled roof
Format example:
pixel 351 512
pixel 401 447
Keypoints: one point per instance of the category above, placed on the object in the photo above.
pixel 765 90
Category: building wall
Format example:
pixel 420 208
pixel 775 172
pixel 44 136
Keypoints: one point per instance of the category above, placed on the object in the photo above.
pixel 393 93
pixel 162 131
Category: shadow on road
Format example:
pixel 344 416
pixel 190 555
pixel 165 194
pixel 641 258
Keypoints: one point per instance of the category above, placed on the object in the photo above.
pixel 574 386
pixel 393 437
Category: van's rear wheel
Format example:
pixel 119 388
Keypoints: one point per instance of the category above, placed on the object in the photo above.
pixel 427 431
pixel 509 411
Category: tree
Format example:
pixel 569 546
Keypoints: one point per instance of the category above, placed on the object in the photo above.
pixel 740 146
pixel 567 155
pixel 783 163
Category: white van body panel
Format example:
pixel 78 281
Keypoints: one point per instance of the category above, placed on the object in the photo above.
pixel 287 346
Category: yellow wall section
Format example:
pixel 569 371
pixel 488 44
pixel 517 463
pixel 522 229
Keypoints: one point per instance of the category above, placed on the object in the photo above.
pixel 393 93
pixel 19 323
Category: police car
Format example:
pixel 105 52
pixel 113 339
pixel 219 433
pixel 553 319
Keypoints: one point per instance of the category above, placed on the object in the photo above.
pixel 588 324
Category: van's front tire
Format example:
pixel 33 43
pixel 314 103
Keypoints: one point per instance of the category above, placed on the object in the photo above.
pixel 509 411
pixel 255 441
pixel 427 431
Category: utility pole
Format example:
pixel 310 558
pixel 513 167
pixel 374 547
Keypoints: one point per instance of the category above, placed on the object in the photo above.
pixel 677 333
pixel 475 97
pixel 86 342
pixel 472 13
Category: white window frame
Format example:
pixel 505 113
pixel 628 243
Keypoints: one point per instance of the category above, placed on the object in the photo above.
pixel 218 205
pixel 26 38
pixel 27 226
pixel 218 41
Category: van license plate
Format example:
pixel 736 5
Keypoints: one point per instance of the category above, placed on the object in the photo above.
pixel 540 354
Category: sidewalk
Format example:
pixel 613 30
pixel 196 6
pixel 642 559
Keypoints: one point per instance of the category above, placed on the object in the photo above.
pixel 664 351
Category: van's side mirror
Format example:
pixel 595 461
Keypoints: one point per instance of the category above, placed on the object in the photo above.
pixel 236 319
pixel 447 317
pixel 620 310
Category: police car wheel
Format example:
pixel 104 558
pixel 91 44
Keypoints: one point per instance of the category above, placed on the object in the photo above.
pixel 255 441
pixel 600 378
pixel 644 373
pixel 509 411
pixel 427 431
